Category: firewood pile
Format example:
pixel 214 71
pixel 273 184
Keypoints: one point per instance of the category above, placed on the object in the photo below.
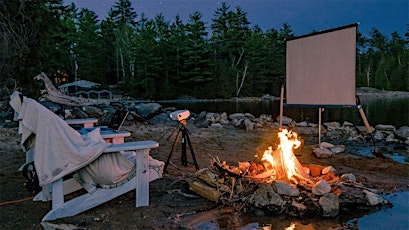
pixel 245 187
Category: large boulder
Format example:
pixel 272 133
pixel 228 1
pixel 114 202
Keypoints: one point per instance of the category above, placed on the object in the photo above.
pixel 402 132
pixel 265 196
pixel 148 110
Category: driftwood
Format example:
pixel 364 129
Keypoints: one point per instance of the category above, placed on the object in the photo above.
pixel 51 93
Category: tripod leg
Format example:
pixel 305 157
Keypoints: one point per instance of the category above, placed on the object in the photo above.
pixel 191 151
pixel 171 151
pixel 184 157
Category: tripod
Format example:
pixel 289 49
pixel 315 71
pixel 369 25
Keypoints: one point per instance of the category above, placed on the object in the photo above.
pixel 182 130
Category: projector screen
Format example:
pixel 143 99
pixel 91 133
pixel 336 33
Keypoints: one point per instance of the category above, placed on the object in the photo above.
pixel 320 68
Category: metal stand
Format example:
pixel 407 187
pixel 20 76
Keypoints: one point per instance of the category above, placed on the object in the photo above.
pixel 182 130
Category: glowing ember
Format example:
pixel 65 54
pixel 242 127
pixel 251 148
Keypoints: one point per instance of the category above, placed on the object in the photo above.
pixel 283 160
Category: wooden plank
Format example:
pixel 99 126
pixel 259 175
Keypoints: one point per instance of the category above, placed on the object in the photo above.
pixel 129 146
pixel 142 178
pixel 86 122
pixel 205 190
pixel 58 195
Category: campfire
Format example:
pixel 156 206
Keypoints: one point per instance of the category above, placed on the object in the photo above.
pixel 282 164
pixel 278 182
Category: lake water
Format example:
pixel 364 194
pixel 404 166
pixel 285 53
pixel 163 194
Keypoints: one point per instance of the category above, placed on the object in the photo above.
pixel 387 111
pixel 396 218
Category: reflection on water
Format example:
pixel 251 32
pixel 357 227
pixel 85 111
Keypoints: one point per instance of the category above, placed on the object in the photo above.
pixel 385 111
pixel 396 217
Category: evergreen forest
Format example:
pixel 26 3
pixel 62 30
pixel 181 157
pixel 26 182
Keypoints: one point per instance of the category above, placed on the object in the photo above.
pixel 153 58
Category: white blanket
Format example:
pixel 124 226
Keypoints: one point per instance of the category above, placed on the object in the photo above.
pixel 59 149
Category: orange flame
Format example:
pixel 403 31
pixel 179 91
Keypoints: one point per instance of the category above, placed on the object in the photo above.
pixel 288 141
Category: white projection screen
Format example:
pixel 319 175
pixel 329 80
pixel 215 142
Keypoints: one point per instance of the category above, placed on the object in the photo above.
pixel 320 68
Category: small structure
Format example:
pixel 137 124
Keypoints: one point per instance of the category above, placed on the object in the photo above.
pixel 86 88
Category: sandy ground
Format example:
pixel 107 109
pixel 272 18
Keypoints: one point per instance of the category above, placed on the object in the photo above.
pixel 169 207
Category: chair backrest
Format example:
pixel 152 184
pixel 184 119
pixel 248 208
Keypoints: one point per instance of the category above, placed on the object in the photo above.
pixel 118 119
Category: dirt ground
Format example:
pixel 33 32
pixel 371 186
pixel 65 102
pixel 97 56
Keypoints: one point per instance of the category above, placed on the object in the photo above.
pixel 171 204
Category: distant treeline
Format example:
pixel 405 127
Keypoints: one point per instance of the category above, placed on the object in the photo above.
pixel 158 59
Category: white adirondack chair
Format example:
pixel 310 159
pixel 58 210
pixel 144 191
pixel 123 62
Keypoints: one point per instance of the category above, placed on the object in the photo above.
pixel 54 189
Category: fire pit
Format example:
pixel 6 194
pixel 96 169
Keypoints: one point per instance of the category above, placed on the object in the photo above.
pixel 279 183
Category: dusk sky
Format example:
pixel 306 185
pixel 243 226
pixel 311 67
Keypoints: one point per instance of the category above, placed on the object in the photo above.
pixel 303 16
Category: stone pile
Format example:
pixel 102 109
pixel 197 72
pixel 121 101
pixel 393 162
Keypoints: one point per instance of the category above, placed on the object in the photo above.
pixel 325 194
pixel 155 113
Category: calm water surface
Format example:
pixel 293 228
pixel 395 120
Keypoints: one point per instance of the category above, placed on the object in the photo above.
pixel 396 218
pixel 385 111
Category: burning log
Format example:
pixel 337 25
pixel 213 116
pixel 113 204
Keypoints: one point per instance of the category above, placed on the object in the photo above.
pixel 283 161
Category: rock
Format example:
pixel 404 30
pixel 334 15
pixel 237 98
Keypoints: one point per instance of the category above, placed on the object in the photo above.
pixel 283 188
pixel 237 116
pixel 216 125
pixel 223 116
pixel 79 113
pixel 92 111
pixel 403 132
pixel 335 133
pixel 148 110
pixel 329 204
pixel 328 169
pixel 237 123
pixel 162 118
pixel 286 120
pixel 378 135
pixel 201 120
pixel 133 116
pixel 211 117
pixel 347 177
pixel 264 196
pixel 326 145
pixel 266 117
pixel 381 127
pixel 332 125
pixel 372 198
pixel 390 138
pixel 321 187
pixel 250 116
pixel 338 149
pixel 347 124
pixel 296 209
pixel 224 122
pixel 323 153
pixel 302 124
pixel 106 117
pixel 313 208
pixel 357 138
pixel 307 130
pixel 248 124
pixel 362 129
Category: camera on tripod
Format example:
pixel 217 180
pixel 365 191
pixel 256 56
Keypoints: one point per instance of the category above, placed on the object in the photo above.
pixel 180 115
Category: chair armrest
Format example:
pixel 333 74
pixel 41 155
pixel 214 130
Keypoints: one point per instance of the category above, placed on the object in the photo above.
pixel 86 122
pixel 129 146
